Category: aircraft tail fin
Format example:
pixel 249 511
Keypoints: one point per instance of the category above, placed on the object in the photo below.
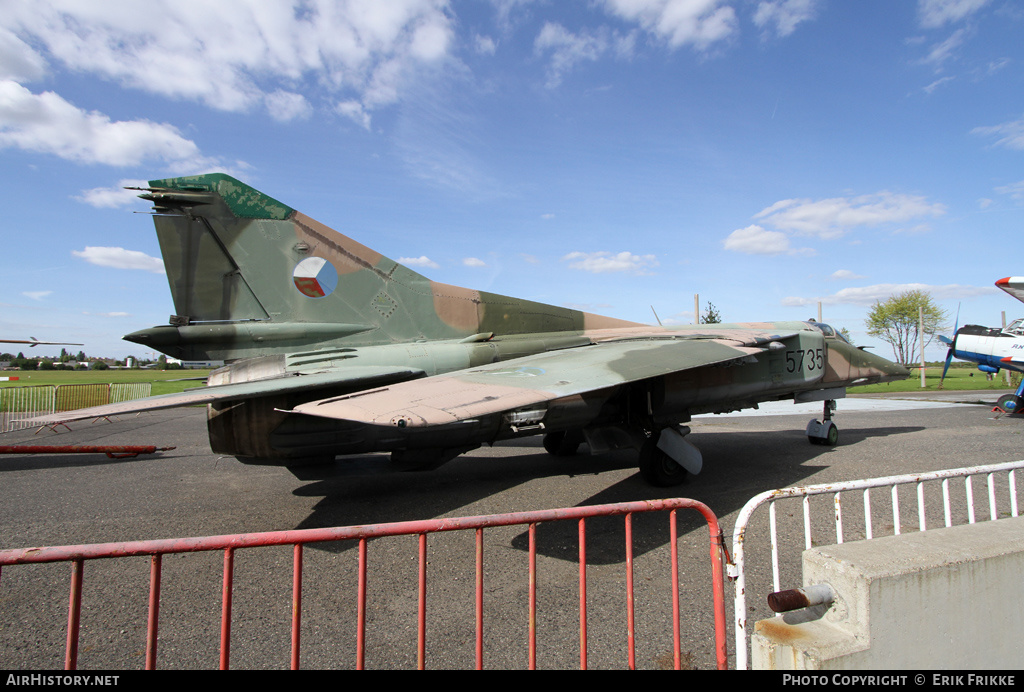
pixel 251 276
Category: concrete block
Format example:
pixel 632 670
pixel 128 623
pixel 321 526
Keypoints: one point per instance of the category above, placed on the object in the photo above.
pixel 940 599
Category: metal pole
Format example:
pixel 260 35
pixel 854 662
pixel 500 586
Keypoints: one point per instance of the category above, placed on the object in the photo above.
pixel 1006 373
pixel 920 333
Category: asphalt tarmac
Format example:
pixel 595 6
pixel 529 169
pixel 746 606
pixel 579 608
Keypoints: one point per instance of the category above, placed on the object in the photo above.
pixel 188 491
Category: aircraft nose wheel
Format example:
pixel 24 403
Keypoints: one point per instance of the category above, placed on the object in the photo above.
pixel 824 432
pixel 1010 403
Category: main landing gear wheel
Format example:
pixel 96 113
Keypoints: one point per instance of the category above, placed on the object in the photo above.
pixel 1010 403
pixel 563 443
pixel 825 432
pixel 657 467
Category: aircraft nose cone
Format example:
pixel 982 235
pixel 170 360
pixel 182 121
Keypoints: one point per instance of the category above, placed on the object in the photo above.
pixel 888 370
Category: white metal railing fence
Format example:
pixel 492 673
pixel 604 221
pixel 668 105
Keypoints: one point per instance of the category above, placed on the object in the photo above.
pixel 737 570
pixel 129 391
pixel 18 404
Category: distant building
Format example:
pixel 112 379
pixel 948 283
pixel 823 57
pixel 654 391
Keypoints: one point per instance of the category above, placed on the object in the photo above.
pixel 196 363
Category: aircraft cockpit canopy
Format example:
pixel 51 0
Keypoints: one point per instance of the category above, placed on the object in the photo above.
pixel 832 333
pixel 1015 327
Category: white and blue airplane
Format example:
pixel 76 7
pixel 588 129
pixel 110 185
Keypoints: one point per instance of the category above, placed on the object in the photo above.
pixel 992 348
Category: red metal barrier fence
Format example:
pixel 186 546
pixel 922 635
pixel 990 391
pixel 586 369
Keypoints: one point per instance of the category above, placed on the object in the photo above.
pixel 78 555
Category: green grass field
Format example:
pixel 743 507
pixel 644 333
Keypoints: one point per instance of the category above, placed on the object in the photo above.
pixel 164 381
pixel 960 377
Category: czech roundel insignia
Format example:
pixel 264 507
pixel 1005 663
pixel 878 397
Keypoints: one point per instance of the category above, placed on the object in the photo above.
pixel 315 277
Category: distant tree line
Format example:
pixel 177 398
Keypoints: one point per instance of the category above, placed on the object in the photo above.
pixel 79 361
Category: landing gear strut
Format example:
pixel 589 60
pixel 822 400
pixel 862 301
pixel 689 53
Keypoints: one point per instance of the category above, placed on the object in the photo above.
pixel 824 432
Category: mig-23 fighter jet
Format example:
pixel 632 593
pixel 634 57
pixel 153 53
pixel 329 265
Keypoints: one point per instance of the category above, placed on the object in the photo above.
pixel 334 349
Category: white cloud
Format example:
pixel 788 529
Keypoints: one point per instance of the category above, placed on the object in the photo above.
pixel 484 45
pixel 354 111
pixel 699 24
pixel 755 240
pixel 234 55
pixel 602 262
pixel 783 16
pixel 935 13
pixel 111 197
pixel 936 84
pixel 567 49
pixel 285 105
pixel 17 60
pixel 1010 134
pixel 474 262
pixel 119 258
pixel 827 219
pixel 679 22
pixel 945 50
pixel 831 218
pixel 845 275
pixel 36 295
pixel 421 261
pixel 1014 190
pixel 869 295
pixel 46 123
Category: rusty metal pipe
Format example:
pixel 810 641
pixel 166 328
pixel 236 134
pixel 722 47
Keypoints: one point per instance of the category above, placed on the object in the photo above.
pixel 112 451
pixel 795 599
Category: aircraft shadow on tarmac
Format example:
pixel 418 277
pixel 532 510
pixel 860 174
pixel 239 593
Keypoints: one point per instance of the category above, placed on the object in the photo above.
pixel 737 466
pixel 30 462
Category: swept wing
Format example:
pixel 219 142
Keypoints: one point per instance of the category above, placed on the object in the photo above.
pixel 353 376
pixel 531 381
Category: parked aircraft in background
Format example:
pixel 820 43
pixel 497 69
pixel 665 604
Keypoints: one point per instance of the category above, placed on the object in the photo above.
pixel 993 348
pixel 335 349
pixel 33 342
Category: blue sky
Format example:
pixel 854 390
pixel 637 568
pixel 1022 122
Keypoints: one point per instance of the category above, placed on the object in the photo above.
pixel 611 155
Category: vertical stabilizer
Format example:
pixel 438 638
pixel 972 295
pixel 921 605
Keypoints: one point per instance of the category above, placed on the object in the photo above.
pixel 251 276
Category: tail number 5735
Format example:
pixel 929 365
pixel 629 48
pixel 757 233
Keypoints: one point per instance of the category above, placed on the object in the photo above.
pixel 811 360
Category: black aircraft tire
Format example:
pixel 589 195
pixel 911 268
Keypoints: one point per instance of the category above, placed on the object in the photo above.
pixel 833 436
pixel 830 440
pixel 658 468
pixel 563 443
pixel 1010 403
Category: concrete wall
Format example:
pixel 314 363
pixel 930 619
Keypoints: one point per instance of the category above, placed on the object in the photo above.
pixel 942 599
